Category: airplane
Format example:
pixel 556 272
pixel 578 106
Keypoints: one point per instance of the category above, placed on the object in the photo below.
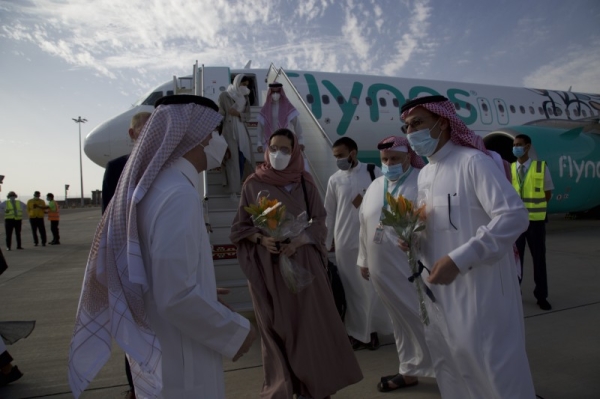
pixel 563 125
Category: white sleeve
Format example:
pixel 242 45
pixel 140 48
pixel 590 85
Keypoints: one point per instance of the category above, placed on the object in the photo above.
pixel 509 218
pixel 176 260
pixel 361 261
pixel 260 136
pixel 331 210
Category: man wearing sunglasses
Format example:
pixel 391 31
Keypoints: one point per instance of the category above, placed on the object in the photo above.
pixel 476 334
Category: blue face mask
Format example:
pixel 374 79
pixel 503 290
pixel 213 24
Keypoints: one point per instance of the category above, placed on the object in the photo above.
pixel 393 172
pixel 518 151
pixel 422 143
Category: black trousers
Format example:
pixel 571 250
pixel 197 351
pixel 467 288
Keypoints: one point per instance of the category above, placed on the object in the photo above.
pixel 54 229
pixel 38 224
pixel 9 226
pixel 535 236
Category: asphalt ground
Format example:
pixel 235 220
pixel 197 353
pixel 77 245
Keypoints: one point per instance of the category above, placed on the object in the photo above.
pixel 43 284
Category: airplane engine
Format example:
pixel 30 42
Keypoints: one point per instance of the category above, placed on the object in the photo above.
pixel 572 155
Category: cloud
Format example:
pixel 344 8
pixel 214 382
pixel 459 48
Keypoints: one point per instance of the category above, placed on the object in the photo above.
pixel 578 68
pixel 411 40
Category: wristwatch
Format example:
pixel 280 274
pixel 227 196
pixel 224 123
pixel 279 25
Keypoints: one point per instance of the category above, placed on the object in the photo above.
pixel 258 240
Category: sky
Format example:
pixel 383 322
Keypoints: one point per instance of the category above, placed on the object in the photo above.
pixel 61 59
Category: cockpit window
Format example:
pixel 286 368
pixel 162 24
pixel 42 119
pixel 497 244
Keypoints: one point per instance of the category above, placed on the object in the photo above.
pixel 151 99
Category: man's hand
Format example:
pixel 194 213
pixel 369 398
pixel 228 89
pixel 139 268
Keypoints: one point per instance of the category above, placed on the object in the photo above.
pixel 364 272
pixel 444 271
pixel 247 343
pixel 403 245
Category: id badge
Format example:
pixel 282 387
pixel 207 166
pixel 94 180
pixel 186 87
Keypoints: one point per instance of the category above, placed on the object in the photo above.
pixel 378 238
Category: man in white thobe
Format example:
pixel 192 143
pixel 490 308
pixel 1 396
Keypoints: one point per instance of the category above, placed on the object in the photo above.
pixel 365 314
pixel 150 280
pixel 277 113
pixel 386 265
pixel 476 336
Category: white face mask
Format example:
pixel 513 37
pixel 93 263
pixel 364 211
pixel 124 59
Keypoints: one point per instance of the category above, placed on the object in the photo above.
pixel 279 161
pixel 215 151
pixel 275 96
pixel 244 90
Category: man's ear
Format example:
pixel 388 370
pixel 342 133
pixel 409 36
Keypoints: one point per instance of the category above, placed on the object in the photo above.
pixel 131 134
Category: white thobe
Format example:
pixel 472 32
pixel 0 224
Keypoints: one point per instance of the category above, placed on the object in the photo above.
pixel 193 328
pixel 292 124
pixel 365 312
pixel 389 272
pixel 476 336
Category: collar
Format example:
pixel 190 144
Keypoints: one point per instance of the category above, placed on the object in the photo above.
pixel 526 164
pixel 442 152
pixel 355 169
pixel 188 170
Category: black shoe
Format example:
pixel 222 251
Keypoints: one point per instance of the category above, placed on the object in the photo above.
pixel 44 244
pixel 20 248
pixel 356 344
pixel 544 304
pixel 35 245
pixel 13 375
pixel 374 344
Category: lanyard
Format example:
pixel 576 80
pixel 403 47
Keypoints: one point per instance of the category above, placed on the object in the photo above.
pixel 395 190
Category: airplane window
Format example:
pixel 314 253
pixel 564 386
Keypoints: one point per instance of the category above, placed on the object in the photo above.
pixel 512 109
pixel 382 102
pixel 531 110
pixel 325 99
pixel 576 112
pixel 340 100
pixel 484 107
pixel 395 102
pixel 310 98
pixel 152 98
pixel 522 109
pixel 457 106
pixel 501 108
pixel 568 112
pixel 468 106
pixel 558 111
pixel 584 113
pixel 550 111
pixel 369 101
pixel 541 110
pixel 354 100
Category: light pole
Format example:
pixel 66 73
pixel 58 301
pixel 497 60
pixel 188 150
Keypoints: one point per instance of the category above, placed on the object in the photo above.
pixel 79 121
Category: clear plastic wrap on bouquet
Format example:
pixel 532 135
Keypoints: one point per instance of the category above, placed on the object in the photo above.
pixel 271 217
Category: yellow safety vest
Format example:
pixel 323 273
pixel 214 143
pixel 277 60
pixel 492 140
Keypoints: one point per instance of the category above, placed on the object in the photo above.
pixel 10 213
pixel 532 189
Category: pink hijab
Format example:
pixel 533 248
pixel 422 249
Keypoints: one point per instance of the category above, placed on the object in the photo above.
pixel 295 169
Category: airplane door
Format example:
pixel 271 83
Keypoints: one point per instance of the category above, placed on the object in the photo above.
pixel 501 111
pixel 485 110
pixel 213 81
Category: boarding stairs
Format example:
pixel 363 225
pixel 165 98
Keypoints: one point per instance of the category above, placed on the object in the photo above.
pixel 221 209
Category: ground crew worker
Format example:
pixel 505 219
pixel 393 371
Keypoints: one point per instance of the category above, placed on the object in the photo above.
pixel 13 216
pixel 533 182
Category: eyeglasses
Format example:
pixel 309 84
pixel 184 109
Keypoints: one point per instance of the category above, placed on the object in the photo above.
pixel 414 124
pixel 283 150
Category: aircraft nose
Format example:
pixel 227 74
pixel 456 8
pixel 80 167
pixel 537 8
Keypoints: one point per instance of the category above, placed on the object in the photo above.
pixel 97 144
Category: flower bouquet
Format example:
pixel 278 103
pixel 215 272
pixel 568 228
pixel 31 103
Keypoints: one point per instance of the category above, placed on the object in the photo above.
pixel 272 218
pixel 407 219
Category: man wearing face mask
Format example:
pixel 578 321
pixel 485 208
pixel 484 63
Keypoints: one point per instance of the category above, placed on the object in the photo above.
pixel 532 180
pixel 386 266
pixel 13 218
pixel 476 333
pixel 277 113
pixel 150 281
pixel 365 314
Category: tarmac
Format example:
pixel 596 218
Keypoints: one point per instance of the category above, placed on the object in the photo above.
pixel 44 283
